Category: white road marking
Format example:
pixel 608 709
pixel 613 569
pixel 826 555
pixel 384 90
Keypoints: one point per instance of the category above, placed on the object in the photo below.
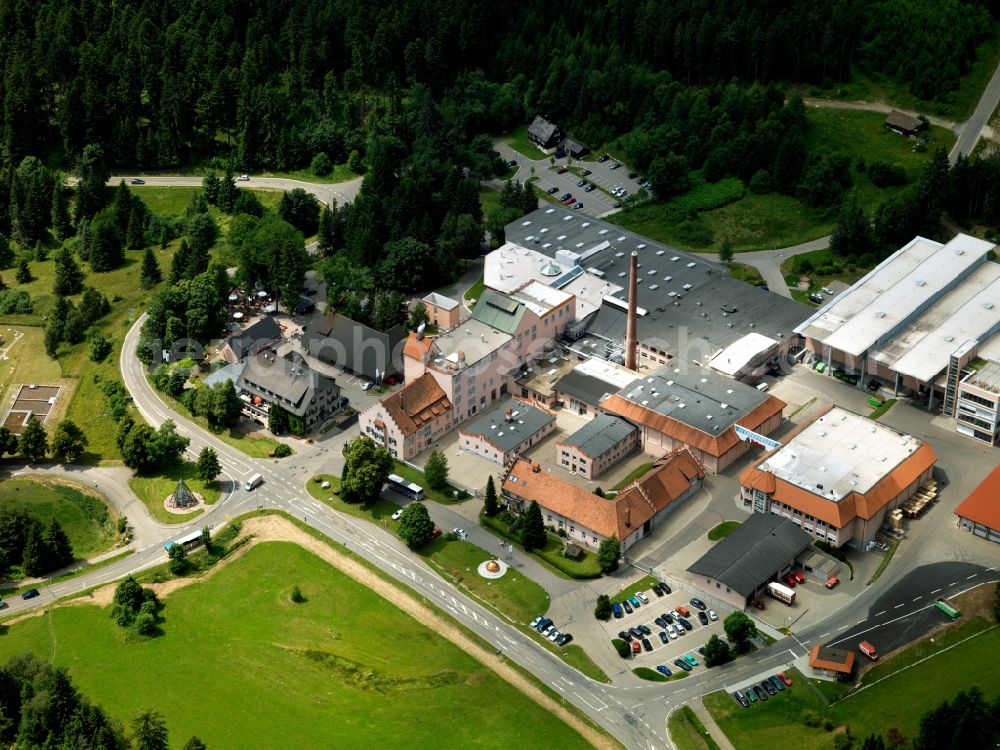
pixel 897 606
pixel 877 614
pixel 935 591
pixel 969 578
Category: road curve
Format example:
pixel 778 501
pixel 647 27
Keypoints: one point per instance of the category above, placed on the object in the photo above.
pixel 341 192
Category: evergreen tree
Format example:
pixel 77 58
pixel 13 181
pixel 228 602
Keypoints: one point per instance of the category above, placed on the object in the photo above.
pixel 326 234
pixel 61 223
pixel 33 553
pixel 105 251
pixel 436 470
pixel 180 263
pixel 135 238
pixel 23 275
pixel 34 443
pixel 149 731
pixel 58 550
pixel 726 251
pixel 68 276
pixel 490 505
pixel 91 190
pixel 852 233
pixel 149 273
pixel 6 252
pixel 533 535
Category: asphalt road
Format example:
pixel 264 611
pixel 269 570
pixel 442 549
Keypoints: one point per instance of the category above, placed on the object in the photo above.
pixel 970 130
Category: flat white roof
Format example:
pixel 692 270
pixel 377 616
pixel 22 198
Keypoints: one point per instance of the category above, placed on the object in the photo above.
pixel 732 359
pixel 609 372
pixel 475 340
pixel 892 292
pixel 439 300
pixel 990 349
pixel 839 453
pixel 969 312
pixel 541 298
pixel 512 267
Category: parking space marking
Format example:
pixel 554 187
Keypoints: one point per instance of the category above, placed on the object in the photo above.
pixel 824 635
pixel 877 614
pixel 969 578
pixel 899 605
pixel 917 599
pixel 935 591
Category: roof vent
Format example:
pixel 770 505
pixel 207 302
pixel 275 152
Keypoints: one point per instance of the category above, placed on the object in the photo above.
pixel 988 305
pixel 723 405
pixel 551 269
pixel 921 282
pixel 880 314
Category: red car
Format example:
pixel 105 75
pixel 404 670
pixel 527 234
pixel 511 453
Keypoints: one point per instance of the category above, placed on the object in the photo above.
pixel 569 200
pixel 785 678
pixel 636 647
pixel 562 170
pixel 790 580
pixel 799 578
pixel 436 533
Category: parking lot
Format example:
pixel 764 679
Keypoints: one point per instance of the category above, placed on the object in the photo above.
pixel 685 643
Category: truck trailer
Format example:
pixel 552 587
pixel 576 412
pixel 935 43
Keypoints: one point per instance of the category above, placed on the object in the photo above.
pixel 781 592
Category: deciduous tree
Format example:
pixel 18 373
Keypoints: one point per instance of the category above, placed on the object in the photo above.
pixel 436 470
pixel 716 652
pixel 208 465
pixel 68 442
pixel 34 443
pixel 739 629
pixel 415 525
pixel 608 552
pixel 366 468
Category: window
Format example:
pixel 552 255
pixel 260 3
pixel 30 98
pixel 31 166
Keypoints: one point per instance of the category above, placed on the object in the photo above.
pixel 549 518
pixel 718 585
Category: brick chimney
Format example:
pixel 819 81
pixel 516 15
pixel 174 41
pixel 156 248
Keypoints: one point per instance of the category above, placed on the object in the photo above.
pixel 631 342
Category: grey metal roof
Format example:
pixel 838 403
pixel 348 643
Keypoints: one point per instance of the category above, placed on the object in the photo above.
pixel 603 250
pixel 600 434
pixel 499 311
pixel 229 372
pixel 264 330
pixel 585 388
pixel 356 347
pixel 754 553
pixel 542 128
pixel 525 421
pixel 696 396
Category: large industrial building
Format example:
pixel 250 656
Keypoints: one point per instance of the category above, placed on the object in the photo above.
pixel 838 476
pixel 915 321
pixel 687 307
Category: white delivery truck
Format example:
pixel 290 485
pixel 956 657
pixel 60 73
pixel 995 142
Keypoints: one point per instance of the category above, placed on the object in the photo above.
pixel 255 481
pixel 781 592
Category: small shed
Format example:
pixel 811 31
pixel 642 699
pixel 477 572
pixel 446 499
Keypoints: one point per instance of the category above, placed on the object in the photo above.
pixel 904 124
pixel 827 661
pixel 574 148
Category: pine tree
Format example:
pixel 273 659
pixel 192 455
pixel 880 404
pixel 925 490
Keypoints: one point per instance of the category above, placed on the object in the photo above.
pixel 58 550
pixel 181 261
pixel 490 505
pixel 6 252
pixel 33 553
pixel 135 237
pixel 61 223
pixel 23 275
pixel 533 536
pixel 149 274
pixel 68 276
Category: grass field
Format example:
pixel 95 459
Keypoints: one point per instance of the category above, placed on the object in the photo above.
pixel 340 173
pixel 153 490
pixel 956 105
pixel 518 140
pixel 416 476
pixel 899 701
pixel 346 667
pixel 645 673
pixel 688 733
pixel 723 530
pixel 475 291
pixel 87 519
pixel 489 199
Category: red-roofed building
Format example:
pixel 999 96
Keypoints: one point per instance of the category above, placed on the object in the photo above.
pixel 408 420
pixel 838 475
pixel 980 511
pixel 587 518
pixel 832 662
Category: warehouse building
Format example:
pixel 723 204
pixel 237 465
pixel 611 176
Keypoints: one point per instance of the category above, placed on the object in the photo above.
pixel 511 428
pixel 599 444
pixel 979 513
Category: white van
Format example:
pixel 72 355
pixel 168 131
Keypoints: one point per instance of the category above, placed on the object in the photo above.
pixel 255 481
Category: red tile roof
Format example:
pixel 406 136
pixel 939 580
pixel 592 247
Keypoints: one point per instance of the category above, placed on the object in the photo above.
pixel 620 516
pixel 835 659
pixel 415 404
pixel 417 348
pixel 983 503
pixel 714 445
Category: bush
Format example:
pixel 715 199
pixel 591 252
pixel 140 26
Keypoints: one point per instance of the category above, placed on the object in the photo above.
pixel 761 183
pixel 704 195
pixel 882 174
pixel 15 302
pixel 296 595
pixel 811 718
pixel 321 165
pixel 621 647
pixel 282 451
pixel 603 609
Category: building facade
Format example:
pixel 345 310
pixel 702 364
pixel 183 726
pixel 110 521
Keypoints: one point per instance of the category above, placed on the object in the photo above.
pixel 410 419
pixel 599 444
pixel 978 397
pixel 509 429
pixel 287 382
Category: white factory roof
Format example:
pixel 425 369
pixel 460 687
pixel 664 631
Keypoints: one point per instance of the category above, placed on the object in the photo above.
pixel 839 453
pixel 733 358
pixel 970 311
pixel 541 298
pixel 467 344
pixel 609 372
pixel 899 287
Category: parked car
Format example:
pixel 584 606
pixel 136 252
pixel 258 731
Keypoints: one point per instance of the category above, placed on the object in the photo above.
pixel 578 205
pixel 660 622
pixel 627 607
pixel 564 196
pixel 616 610
pixel 633 175
pixel 562 170
pixel 771 689
pixel 398 513
pixel 537 620
pixel 243 178
pixel 564 639
pixel 436 533
pixel 799 578
pixel 672 631
pixel 642 597
pixel 741 699
pixel 691 660
pixel 634 601
pixel 832 581
pixel 616 204
pixel 603 158
pixel 683 611
pixel 760 692
pixel 625 635
pixel 554 635
pixel 585 172
pixel 366 385
pixel 698 604
pixel 790 580
pixel 778 683
pixel 581 183
pixel 137 181
pixel 682 664
pixel 636 648
pixel 614 165
pixel 548 629
pixel 646 644
pixel 785 678
pixel 668 617
pixel 686 623
pixel 512 162
pixel 826 290
pixel 663 670
pixel 658 591
pixel 644 629
pixel 552 190
pixel 712 616
pixel 636 633
pixel 571 199
pixel 663 636
pixel 665 588
pixel 589 189
pixel 460 533
pixel 30 594
pixel 701 650
pixel 542 624
pixel 750 695
pixel 703 618
pixel 816 298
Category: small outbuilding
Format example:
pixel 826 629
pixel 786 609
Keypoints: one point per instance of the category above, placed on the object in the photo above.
pixel 544 133
pixel 904 124
pixel 836 663
pixel 183 497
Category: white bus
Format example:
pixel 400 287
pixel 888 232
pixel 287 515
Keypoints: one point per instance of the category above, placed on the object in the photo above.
pixel 408 489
